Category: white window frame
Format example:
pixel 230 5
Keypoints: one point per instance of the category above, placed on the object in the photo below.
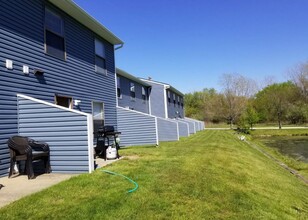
pixel 102 113
pixel 132 90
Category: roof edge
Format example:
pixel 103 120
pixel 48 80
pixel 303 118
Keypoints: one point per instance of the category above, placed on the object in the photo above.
pixel 163 84
pixel 131 77
pixel 79 14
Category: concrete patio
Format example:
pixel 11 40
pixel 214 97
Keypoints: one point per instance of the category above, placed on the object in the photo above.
pixel 14 188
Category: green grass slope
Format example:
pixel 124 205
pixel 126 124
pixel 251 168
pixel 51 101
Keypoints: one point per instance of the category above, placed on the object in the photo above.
pixel 209 175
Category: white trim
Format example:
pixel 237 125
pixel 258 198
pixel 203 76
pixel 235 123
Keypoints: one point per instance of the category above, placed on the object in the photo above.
pixel 17 115
pixel 178 130
pixel 151 81
pixel 165 101
pixel 87 20
pixel 52 105
pixel 116 86
pixel 149 100
pixel 136 111
pixel 90 143
pixel 168 119
pixel 156 129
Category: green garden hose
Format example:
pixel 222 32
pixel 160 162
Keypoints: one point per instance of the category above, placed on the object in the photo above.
pixel 117 174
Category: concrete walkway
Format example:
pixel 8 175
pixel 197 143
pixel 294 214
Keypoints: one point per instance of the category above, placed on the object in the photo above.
pixel 19 186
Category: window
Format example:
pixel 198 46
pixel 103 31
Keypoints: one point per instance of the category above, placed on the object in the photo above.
pixel 100 57
pixel 169 99
pixel 119 87
pixel 174 101
pixel 143 94
pixel 132 91
pixel 64 101
pixel 179 101
pixel 54 35
pixel 182 103
pixel 98 116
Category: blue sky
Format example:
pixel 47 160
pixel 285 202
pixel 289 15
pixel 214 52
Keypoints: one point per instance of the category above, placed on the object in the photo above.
pixel 191 43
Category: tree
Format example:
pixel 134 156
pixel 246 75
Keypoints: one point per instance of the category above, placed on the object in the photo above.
pixel 274 100
pixel 251 116
pixel 194 105
pixel 236 90
pixel 299 76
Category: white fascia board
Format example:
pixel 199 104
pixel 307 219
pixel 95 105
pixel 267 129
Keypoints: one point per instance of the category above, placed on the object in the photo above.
pixel 90 143
pixel 165 101
pixel 156 128
pixel 116 86
pixel 155 82
pixel 52 105
pixel 72 9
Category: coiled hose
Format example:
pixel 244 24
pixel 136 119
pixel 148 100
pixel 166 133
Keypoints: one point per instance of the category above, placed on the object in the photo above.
pixel 132 181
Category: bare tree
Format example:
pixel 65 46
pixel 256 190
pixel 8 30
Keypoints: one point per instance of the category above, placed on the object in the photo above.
pixel 236 89
pixel 299 76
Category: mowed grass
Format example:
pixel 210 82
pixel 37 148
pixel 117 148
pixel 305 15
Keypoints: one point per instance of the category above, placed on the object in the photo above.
pixel 209 175
pixel 279 132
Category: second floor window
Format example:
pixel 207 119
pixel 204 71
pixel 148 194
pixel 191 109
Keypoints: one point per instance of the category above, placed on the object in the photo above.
pixel 143 94
pixel 119 87
pixel 174 101
pixel 169 99
pixel 132 91
pixel 100 57
pixel 54 35
pixel 179 101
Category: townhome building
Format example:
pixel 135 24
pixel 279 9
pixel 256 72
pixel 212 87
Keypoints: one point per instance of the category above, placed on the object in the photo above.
pixel 57 79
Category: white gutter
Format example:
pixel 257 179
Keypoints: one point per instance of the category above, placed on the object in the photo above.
pixel 119 47
pixel 165 101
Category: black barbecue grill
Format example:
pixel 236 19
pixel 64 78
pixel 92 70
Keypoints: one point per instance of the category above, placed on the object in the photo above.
pixel 105 134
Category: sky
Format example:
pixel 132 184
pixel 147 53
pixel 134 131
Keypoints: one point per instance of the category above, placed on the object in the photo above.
pixel 190 44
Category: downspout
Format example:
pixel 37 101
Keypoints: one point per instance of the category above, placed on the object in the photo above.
pixel 149 100
pixel 165 100
pixel 115 69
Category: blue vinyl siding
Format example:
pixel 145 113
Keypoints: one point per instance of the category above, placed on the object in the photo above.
pixel 196 122
pixel 136 128
pixel 157 100
pixel 174 111
pixel 183 128
pixel 191 126
pixel 66 133
pixel 167 130
pixel 138 103
pixel 22 41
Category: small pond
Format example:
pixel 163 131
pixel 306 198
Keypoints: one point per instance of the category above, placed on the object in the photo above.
pixel 293 146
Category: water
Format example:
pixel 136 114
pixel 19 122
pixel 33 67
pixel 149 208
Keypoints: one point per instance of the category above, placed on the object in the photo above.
pixel 296 146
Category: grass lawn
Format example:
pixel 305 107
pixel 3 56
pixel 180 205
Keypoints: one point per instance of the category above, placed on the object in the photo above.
pixel 210 175
pixel 279 132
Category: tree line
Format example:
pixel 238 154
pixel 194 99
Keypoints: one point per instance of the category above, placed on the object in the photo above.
pixel 243 103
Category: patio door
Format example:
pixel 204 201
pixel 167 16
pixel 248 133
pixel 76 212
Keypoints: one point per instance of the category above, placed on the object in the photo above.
pixel 98 116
